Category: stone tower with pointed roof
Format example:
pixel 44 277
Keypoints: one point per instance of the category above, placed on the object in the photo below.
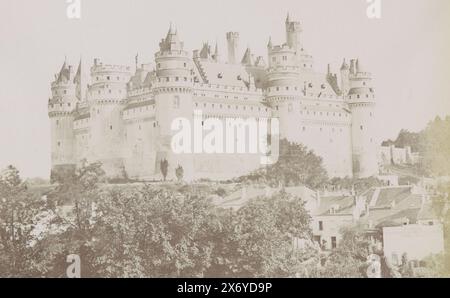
pixel 173 99
pixel 60 106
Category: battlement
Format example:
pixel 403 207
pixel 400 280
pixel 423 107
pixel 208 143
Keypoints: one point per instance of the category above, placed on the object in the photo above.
pixel 360 75
pixel 172 53
pixel 99 67
pixel 232 35
pixel 281 48
pixel 294 27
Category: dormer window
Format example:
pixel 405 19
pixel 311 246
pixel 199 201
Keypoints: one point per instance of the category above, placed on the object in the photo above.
pixel 239 78
pixel 220 75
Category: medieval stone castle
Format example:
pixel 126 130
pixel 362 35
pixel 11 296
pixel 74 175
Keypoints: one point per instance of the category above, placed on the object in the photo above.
pixel 123 119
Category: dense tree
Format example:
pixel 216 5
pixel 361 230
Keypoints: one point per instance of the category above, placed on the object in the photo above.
pixel 433 144
pixel 349 259
pixel 155 233
pixel 18 218
pixel 295 166
pixel 73 205
pixel 437 147
pixel 405 138
pixel 257 240
pixel 164 167
pixel 179 172
pixel 358 184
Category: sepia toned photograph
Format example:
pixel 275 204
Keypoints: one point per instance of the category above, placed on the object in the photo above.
pixel 235 139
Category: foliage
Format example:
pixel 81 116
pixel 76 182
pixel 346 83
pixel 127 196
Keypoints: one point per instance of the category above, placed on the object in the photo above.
pixel 18 211
pixel 164 166
pixel 257 240
pixel 179 172
pixel 155 232
pixel 358 184
pixel 349 259
pixel 433 143
pixel 436 159
pixel 405 138
pixel 295 166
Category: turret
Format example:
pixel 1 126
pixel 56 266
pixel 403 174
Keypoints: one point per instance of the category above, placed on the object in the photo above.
pixel 233 47
pixel 60 111
pixel 216 56
pixel 345 79
pixel 283 86
pixel 361 100
pixel 173 99
pixel 269 44
pixel 293 34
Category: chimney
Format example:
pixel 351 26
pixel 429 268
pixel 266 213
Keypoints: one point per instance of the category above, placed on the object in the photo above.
pixel 353 66
pixel 233 46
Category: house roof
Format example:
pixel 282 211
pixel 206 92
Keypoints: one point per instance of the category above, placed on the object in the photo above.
pixel 341 204
pixel 389 194
pixel 394 205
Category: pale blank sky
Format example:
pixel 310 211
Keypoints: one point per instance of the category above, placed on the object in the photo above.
pixel 407 50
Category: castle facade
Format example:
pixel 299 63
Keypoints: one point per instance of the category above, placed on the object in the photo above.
pixel 123 117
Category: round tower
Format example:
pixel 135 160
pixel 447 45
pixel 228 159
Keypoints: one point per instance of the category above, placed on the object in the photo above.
pixel 107 95
pixel 361 100
pixel 173 99
pixel 60 108
pixel 283 85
